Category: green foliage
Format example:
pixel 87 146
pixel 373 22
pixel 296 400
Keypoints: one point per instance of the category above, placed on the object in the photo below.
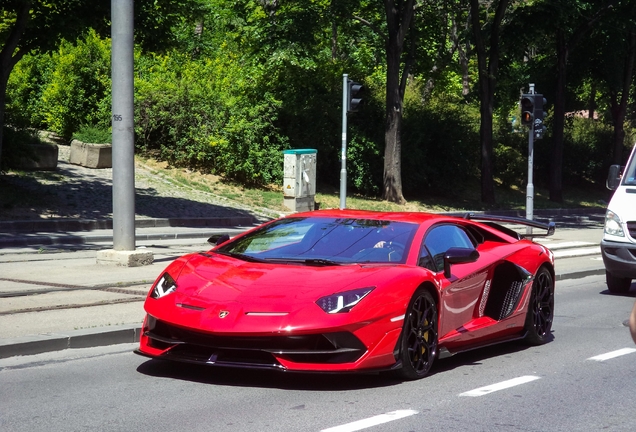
pixel 24 91
pixel 93 134
pixel 440 146
pixel 78 91
pixel 209 115
pixel 16 142
pixel 586 154
pixel 364 166
pixel 511 164
pixel 225 86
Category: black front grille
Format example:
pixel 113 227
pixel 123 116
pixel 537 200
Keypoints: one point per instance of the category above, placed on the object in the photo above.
pixel 631 227
pixel 250 351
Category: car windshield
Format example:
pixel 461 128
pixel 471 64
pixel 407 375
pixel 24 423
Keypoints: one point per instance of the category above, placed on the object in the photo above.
pixel 325 241
pixel 629 175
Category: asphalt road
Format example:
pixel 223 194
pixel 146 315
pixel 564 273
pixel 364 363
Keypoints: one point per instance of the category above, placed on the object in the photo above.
pixel 561 386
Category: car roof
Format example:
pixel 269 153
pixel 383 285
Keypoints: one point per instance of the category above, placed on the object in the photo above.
pixel 411 217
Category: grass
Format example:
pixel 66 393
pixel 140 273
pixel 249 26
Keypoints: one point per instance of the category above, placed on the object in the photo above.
pixel 327 196
pixel 16 201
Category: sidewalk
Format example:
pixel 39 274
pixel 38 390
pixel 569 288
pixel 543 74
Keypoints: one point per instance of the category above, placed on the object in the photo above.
pixel 55 296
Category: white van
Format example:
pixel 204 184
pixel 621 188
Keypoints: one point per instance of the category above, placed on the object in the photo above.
pixel 618 246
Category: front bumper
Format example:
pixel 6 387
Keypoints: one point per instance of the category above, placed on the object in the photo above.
pixel 619 258
pixel 318 352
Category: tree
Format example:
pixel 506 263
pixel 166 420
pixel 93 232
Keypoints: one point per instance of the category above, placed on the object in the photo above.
pixel 37 26
pixel 488 65
pixel 32 26
pixel 571 24
pixel 614 66
pixel 399 16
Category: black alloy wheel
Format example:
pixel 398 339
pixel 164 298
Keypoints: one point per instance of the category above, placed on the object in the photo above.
pixel 418 342
pixel 541 308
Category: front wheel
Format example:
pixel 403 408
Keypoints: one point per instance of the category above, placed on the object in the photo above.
pixel 418 342
pixel 540 309
pixel 617 285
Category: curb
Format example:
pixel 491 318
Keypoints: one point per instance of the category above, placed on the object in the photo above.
pixel 71 239
pixel 70 225
pixel 30 345
pixel 65 232
pixel 581 274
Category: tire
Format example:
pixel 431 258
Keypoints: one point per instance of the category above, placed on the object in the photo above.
pixel 617 285
pixel 418 342
pixel 540 309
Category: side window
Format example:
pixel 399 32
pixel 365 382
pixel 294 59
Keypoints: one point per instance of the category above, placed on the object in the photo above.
pixel 438 240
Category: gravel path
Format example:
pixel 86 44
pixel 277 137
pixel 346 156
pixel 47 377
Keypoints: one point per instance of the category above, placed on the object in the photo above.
pixel 73 191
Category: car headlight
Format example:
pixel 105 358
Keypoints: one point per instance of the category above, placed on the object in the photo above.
pixel 164 286
pixel 613 224
pixel 344 301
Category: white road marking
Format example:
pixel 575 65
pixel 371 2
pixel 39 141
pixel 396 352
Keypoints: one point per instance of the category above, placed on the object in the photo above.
pixel 500 386
pixel 613 354
pixel 371 421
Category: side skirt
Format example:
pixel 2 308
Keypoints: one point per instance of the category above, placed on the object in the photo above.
pixel 443 352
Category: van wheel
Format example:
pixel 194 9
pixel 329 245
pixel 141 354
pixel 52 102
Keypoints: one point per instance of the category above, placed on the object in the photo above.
pixel 617 285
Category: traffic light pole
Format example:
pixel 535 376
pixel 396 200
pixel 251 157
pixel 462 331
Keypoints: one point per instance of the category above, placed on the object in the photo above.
pixel 343 157
pixel 530 187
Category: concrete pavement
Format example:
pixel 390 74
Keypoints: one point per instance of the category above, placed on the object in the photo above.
pixel 55 296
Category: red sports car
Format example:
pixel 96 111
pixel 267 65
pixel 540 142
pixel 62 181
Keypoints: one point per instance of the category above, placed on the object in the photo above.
pixel 347 290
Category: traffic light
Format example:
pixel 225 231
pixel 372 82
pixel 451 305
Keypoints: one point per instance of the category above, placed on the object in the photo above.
pixel 527 109
pixel 355 91
pixel 539 114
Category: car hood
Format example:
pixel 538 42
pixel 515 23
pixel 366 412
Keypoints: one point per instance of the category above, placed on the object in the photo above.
pixel 215 278
pixel 229 296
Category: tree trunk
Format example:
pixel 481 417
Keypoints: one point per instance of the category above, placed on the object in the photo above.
pixel 488 65
pixel 399 19
pixel 556 170
pixel 392 182
pixel 563 48
pixel 619 108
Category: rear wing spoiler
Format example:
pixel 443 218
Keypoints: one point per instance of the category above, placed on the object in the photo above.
pixel 550 227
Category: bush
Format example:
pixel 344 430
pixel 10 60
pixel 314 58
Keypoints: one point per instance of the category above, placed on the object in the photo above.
pixel 586 153
pixel 15 146
pixel 93 134
pixel 79 87
pixel 27 82
pixel 440 147
pixel 209 115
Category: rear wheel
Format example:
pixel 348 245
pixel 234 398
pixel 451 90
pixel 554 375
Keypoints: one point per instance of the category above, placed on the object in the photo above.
pixel 418 342
pixel 541 308
pixel 617 285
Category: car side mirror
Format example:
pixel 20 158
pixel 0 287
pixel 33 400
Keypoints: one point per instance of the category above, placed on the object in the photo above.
pixel 217 239
pixel 457 255
pixel 613 177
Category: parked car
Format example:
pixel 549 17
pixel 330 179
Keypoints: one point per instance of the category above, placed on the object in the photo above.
pixel 346 290
pixel 618 246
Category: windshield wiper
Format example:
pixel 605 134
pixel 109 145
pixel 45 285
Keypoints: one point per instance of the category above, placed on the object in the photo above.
pixel 321 262
pixel 307 261
pixel 241 256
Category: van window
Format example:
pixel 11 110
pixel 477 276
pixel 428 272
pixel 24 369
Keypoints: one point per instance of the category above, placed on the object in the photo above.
pixel 629 176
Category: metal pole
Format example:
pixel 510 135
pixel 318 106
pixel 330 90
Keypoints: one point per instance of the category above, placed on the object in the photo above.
pixel 123 125
pixel 530 187
pixel 343 170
